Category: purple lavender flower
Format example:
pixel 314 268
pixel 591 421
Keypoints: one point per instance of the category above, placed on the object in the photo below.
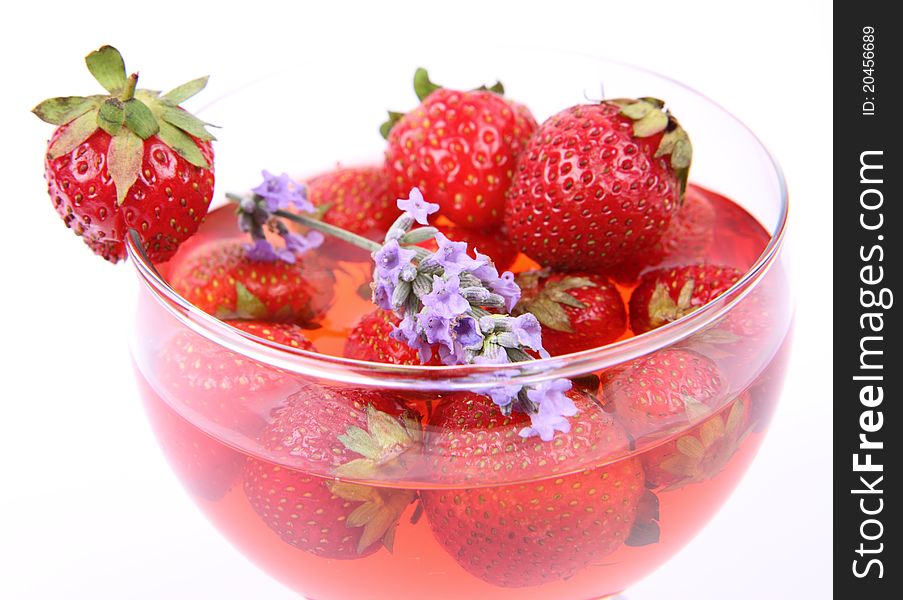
pixel 417 207
pixel 467 332
pixel 435 327
pixel 452 256
pixel 407 332
pixel 391 259
pixel 554 408
pixel 261 250
pixel 445 298
pixel 383 289
pixel 299 244
pixel 506 287
pixel 503 395
pixel 529 332
pixel 282 191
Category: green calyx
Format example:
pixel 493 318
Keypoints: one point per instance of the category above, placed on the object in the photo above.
pixel 548 304
pixel 129 116
pixel 383 447
pixel 649 118
pixel 423 87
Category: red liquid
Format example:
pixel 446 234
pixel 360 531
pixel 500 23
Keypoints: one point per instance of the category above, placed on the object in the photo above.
pixel 419 566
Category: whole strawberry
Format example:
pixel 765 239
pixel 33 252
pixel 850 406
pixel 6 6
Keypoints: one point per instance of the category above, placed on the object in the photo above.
pixel 356 199
pixel 222 388
pixel 665 295
pixel 132 159
pixel 528 534
pixel 598 183
pixel 220 279
pixel 459 148
pixel 351 433
pixel 662 391
pixel 578 311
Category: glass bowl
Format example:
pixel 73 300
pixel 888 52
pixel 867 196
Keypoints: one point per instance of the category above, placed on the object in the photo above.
pixel 250 426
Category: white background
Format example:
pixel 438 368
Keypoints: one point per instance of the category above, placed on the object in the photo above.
pixel 88 508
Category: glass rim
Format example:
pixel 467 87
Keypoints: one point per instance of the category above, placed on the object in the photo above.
pixel 471 377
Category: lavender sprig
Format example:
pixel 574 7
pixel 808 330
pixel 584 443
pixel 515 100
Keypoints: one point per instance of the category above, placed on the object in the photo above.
pixel 447 300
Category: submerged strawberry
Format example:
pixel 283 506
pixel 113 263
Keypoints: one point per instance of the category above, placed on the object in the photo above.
pixel 666 295
pixel 702 452
pixel 221 280
pixel 531 533
pixel 133 159
pixel 206 467
pixel 665 390
pixel 459 148
pixel 351 433
pixel 222 387
pixel 598 183
pixel 578 311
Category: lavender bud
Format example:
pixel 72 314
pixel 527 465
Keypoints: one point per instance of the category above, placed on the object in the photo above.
pixel 468 280
pixel 423 285
pixel 476 295
pixel 409 273
pixel 415 236
pixel 507 339
pixel 401 293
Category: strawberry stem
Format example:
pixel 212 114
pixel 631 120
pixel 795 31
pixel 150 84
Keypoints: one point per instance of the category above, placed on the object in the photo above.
pixel 129 91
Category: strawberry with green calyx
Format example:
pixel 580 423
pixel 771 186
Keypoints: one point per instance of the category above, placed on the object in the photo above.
pixel 132 159
pixel 665 295
pixel 578 311
pixel 459 148
pixel 353 434
pixel 598 183
pixel 220 279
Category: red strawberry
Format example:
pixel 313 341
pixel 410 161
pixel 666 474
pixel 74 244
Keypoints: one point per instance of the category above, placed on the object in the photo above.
pixel 702 452
pixel 686 240
pixel 578 311
pixel 223 388
pixel 494 243
pixel 529 533
pixel 219 279
pixel 287 334
pixel 356 199
pixel 369 340
pixel 661 391
pixel 459 148
pixel 665 295
pixel 206 467
pixel 317 432
pixel 130 160
pixel 597 184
